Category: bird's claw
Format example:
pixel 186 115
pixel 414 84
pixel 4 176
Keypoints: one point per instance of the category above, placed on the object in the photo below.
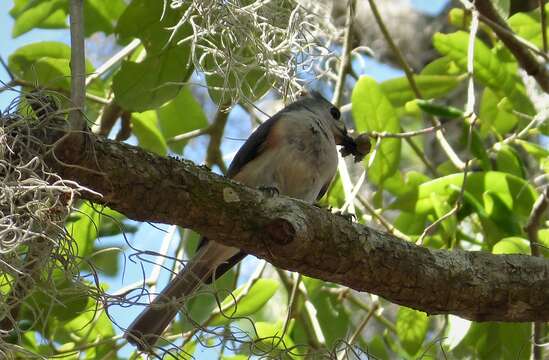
pixel 350 217
pixel 270 191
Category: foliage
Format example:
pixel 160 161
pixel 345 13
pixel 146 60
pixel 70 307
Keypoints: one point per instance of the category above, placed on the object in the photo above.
pixel 154 85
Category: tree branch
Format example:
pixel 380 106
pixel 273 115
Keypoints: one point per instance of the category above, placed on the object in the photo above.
pixel 297 236
pixel 526 60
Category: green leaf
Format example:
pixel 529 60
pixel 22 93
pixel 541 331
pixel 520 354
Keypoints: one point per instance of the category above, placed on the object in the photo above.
pixel 160 76
pixel 271 338
pixel 152 82
pixel 538 152
pixel 253 301
pixel 50 73
pixel 527 25
pixel 479 150
pixel 449 225
pixel 199 308
pixel 23 58
pixel 493 118
pixel 100 15
pixel 377 349
pixel 152 26
pixel 399 92
pixel 66 302
pixel 488 69
pixel 502 7
pixel 84 230
pixel 145 128
pixel 442 66
pixel 411 326
pixel 181 115
pixel 507 160
pixel 543 238
pixel 331 314
pixel 430 107
pixel 35 14
pixel 91 325
pixel 372 111
pixel 505 341
pixel 457 330
pixel 106 260
pixel 512 245
pixel 47 64
pixel 254 84
pixel 515 193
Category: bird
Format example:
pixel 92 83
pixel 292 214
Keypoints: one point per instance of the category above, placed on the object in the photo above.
pixel 293 153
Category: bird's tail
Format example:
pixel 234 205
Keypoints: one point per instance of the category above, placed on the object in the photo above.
pixel 147 328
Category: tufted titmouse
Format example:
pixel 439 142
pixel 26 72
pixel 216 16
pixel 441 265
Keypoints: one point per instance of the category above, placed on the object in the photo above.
pixel 293 152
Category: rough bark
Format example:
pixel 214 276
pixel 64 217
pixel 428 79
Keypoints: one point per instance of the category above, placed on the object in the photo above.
pixel 297 236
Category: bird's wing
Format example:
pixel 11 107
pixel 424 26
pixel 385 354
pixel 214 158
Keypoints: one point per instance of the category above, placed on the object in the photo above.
pixel 253 146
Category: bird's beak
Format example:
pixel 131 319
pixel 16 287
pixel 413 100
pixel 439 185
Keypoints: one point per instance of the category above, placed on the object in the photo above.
pixel 341 136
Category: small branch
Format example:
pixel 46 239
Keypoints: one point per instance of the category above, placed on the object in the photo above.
pixel 403 135
pixel 359 330
pixel 344 68
pixel 543 24
pixel 522 41
pixel 29 84
pixel 312 326
pixel 127 50
pixel 345 64
pixel 539 208
pixel 8 70
pixel 78 64
pixel 386 224
pixel 190 135
pixel 526 60
pixel 216 130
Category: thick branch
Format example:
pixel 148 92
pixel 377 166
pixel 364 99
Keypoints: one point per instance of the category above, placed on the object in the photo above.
pixel 297 236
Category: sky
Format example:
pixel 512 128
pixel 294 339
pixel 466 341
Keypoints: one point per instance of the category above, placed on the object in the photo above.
pixel 148 233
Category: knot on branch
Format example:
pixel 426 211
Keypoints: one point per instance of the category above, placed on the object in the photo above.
pixel 280 231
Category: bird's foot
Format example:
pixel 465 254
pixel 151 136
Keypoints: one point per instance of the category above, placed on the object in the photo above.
pixel 270 191
pixel 350 217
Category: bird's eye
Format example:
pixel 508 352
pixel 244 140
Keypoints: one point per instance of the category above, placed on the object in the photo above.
pixel 335 112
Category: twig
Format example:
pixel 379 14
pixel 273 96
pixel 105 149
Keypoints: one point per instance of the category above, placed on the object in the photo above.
pixel 78 64
pixel 359 329
pixel 8 70
pixel 190 135
pixel 526 60
pixel 386 224
pixel 521 40
pixel 540 206
pixel 532 227
pixel 538 118
pixel 448 150
pixel 543 24
pixel 345 64
pixel 338 94
pixel 292 303
pixel 20 82
pixel 213 154
pixel 402 135
pixel 380 318
pixel 161 257
pixel 128 49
